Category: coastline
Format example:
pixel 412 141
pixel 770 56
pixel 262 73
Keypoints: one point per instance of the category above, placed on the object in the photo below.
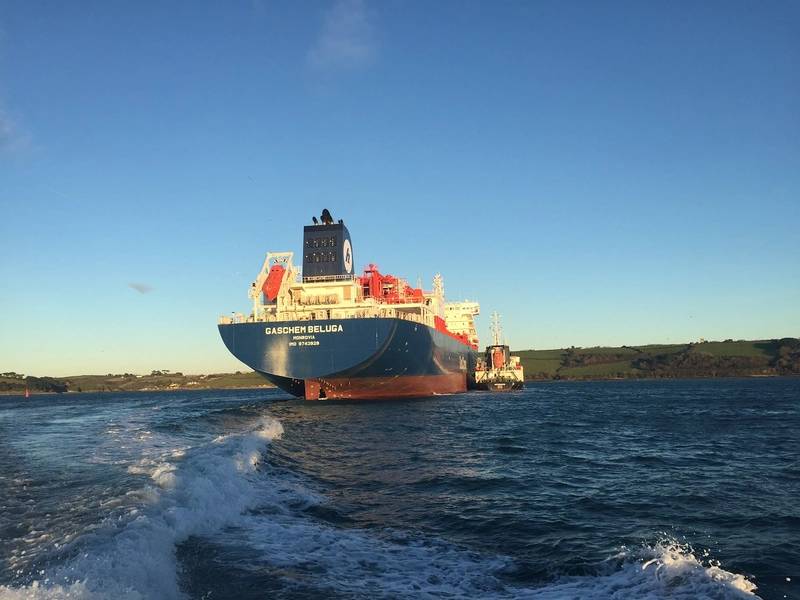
pixel 694 360
pixel 156 381
pixel 137 391
pixel 527 381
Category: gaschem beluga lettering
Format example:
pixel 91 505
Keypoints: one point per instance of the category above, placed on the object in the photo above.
pixel 298 329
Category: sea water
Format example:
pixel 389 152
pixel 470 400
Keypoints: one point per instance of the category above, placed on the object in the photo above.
pixel 620 489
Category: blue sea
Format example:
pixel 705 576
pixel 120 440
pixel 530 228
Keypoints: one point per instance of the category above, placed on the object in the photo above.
pixel 619 489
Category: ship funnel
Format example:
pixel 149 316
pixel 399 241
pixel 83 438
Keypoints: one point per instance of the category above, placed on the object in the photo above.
pixel 327 250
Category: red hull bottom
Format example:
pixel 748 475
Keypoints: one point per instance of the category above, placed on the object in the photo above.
pixel 385 388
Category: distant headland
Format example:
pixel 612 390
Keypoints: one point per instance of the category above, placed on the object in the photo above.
pixel 729 358
pixel 160 380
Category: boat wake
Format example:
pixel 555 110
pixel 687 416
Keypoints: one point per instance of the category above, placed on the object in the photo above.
pixel 666 569
pixel 195 491
pixel 222 491
pixel 365 564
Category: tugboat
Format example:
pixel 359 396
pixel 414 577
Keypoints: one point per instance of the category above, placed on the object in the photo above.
pixel 497 370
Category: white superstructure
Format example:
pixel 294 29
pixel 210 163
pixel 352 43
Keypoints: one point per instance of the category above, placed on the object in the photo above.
pixel 280 293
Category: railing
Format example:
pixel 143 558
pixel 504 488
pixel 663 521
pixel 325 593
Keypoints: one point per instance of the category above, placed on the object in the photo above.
pixel 316 278
pixel 235 318
pixel 385 311
pixel 378 311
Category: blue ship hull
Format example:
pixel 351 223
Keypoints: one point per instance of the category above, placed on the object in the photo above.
pixel 363 358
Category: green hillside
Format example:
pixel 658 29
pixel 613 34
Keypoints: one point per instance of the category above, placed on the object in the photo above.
pixel 705 359
pixel 13 383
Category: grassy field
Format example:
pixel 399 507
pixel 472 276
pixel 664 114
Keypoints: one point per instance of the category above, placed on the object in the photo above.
pixel 540 354
pixel 610 350
pixel 758 348
pixel 656 349
pixel 537 368
pixel 727 358
pixel 621 368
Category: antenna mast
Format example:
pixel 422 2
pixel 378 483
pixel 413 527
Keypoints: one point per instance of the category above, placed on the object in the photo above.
pixel 497 331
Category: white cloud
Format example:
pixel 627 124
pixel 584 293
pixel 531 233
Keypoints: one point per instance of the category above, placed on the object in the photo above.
pixel 347 38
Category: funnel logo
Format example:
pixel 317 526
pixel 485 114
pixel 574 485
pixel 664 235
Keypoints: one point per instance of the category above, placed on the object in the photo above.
pixel 348 257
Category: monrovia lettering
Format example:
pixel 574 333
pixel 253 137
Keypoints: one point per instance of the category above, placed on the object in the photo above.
pixel 295 329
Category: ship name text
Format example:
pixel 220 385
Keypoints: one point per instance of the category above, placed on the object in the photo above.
pixel 300 329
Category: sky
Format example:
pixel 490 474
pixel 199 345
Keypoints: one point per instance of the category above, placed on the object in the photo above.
pixel 599 173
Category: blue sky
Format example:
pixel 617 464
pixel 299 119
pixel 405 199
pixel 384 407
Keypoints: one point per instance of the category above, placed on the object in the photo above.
pixel 598 173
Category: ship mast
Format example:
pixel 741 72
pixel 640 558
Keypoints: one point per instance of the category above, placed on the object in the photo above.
pixel 438 287
pixel 497 331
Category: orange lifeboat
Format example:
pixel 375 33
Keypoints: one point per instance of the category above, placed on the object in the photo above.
pixel 498 358
pixel 272 285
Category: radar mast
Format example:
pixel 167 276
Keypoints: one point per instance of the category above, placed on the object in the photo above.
pixel 497 330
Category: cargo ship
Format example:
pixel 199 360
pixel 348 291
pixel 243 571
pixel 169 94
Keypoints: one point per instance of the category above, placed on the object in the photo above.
pixel 325 332
pixel 497 370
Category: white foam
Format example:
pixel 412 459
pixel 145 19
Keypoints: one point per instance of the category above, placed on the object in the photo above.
pixel 197 492
pixel 667 570
pixel 360 564
pixel 356 562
